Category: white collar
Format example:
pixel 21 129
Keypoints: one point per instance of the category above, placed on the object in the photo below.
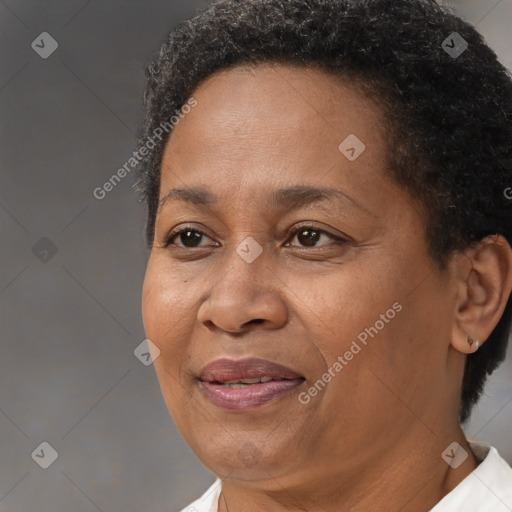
pixel 487 489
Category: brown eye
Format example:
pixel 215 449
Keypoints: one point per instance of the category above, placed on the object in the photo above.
pixel 188 237
pixel 309 236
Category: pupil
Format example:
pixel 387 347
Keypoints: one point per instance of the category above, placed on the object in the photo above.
pixel 311 237
pixel 189 237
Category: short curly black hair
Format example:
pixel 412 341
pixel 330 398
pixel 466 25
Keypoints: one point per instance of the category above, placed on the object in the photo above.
pixel 447 108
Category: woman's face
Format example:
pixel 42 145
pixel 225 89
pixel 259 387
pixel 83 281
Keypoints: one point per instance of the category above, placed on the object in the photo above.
pixel 330 294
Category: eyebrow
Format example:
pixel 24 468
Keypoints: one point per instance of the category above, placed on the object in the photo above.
pixel 291 198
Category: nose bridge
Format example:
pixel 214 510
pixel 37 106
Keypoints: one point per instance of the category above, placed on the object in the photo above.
pixel 244 292
pixel 246 263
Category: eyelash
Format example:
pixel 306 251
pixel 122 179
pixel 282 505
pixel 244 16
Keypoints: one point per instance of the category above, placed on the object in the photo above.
pixel 174 234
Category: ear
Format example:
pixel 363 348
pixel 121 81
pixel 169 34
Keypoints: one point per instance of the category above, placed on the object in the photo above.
pixel 484 274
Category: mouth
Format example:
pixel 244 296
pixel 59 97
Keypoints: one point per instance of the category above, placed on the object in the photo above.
pixel 244 385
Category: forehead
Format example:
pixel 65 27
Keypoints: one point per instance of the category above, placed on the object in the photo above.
pixel 276 124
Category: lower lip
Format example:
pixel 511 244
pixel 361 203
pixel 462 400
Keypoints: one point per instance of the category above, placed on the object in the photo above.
pixel 249 397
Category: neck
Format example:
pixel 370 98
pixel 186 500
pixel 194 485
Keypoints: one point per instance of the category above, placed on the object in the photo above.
pixel 410 476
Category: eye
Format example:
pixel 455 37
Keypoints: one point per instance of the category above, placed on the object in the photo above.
pixel 309 236
pixel 187 237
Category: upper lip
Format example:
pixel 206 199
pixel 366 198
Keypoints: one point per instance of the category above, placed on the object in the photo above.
pixel 225 370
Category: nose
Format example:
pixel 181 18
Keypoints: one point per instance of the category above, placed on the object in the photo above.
pixel 246 296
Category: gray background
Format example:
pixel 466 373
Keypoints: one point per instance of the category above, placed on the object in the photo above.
pixel 68 375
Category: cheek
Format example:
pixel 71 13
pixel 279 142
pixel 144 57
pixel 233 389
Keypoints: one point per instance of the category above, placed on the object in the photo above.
pixel 345 306
pixel 367 316
pixel 168 308
pixel 398 330
pixel 168 323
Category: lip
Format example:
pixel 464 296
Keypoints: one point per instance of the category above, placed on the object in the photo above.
pixel 213 377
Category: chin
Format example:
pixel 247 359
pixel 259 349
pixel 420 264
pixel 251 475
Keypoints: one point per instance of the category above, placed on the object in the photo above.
pixel 241 457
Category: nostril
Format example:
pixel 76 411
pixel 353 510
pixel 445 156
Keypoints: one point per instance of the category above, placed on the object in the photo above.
pixel 209 324
pixel 256 321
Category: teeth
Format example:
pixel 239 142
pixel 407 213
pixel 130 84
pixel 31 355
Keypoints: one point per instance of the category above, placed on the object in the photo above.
pixel 250 381
pixel 243 382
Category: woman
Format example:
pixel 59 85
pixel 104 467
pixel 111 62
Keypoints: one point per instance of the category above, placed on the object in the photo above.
pixel 330 270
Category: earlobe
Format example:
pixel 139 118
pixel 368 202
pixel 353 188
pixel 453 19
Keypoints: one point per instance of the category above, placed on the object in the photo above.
pixel 485 284
pixel 464 343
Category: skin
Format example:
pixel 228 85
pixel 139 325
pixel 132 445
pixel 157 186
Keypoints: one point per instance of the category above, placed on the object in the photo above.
pixel 376 432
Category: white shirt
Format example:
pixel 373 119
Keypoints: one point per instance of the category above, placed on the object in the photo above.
pixel 487 489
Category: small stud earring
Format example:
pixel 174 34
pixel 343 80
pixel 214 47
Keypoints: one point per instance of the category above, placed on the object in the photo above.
pixel 476 342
